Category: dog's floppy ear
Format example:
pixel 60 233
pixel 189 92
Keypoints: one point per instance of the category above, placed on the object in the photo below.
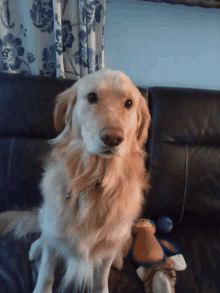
pixel 144 119
pixel 64 102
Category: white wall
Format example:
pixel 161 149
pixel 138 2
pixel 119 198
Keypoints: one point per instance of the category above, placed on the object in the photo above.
pixel 160 44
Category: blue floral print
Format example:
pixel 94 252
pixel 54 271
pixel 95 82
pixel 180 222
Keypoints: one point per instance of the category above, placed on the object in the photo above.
pixel 51 43
pixel 42 15
pixel 11 50
pixel 64 38
pixel 49 62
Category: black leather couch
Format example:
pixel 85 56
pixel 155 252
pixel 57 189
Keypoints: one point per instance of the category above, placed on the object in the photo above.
pixel 184 162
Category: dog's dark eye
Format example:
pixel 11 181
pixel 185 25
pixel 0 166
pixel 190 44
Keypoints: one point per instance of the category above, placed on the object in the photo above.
pixel 92 98
pixel 128 104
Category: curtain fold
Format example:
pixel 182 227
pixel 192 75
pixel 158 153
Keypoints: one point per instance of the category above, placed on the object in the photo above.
pixel 52 38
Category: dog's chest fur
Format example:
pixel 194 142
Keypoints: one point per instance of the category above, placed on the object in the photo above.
pixel 87 218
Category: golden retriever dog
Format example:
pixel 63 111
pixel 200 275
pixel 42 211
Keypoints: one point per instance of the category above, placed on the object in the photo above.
pixel 93 182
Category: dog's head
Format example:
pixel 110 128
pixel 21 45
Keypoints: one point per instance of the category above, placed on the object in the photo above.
pixel 105 110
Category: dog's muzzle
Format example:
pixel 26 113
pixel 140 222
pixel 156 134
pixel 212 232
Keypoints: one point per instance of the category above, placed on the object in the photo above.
pixel 111 137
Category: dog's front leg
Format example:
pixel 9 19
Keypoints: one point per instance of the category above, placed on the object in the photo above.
pixel 45 277
pixel 101 275
pixel 36 249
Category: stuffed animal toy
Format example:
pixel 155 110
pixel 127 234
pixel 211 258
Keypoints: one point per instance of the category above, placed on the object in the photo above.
pixel 158 258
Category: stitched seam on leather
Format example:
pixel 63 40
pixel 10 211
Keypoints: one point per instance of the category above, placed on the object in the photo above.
pixel 9 168
pixel 185 184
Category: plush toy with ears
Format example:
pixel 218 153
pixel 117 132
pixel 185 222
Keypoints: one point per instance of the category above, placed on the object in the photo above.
pixel 158 259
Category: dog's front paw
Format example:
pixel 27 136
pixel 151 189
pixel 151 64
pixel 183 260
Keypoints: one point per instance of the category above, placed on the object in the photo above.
pixel 36 249
pixel 105 290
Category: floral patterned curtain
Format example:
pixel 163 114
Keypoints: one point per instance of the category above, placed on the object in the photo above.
pixel 52 38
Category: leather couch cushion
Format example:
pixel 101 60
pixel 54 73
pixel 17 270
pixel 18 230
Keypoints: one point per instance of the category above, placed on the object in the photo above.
pixel 184 152
pixel 26 123
pixel 27 105
pixel 20 172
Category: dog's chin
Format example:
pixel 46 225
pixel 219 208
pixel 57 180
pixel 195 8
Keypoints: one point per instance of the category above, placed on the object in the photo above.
pixel 107 154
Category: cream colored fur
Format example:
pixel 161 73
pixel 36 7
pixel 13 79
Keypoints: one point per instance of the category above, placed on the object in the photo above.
pixel 89 230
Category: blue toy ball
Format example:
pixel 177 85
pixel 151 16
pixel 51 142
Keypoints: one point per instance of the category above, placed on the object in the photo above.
pixel 164 224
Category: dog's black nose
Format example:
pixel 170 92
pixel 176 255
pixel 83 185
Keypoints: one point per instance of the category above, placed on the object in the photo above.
pixel 111 136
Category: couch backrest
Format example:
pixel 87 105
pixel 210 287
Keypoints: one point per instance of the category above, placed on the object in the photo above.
pixel 183 145
pixel 184 152
pixel 26 123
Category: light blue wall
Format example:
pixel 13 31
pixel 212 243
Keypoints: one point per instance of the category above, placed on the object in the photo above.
pixel 159 44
